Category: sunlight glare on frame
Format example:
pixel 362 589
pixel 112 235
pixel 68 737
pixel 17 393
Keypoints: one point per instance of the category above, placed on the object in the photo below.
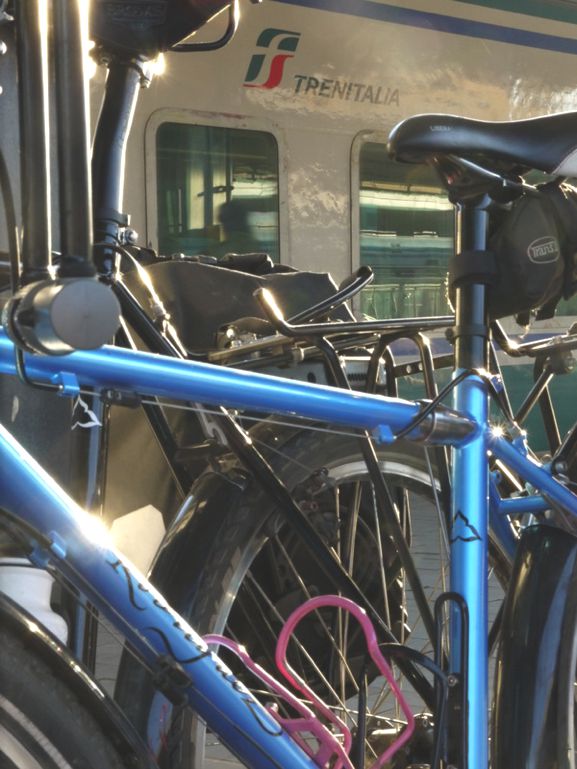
pixel 94 529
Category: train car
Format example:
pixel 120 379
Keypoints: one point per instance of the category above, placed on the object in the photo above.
pixel 290 121
pixel 283 133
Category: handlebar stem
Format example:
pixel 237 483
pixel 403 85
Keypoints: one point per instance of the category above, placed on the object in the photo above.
pixel 109 153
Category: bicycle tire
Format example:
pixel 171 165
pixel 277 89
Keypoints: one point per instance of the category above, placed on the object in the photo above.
pixel 535 714
pixel 238 537
pixel 43 725
pixel 566 721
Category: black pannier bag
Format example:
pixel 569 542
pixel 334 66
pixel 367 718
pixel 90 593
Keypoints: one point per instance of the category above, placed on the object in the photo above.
pixel 530 261
pixel 202 298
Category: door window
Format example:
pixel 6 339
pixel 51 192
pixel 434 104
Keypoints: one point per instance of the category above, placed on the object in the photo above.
pixel 217 190
pixel 406 236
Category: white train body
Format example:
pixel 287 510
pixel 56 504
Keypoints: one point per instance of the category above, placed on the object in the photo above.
pixel 323 78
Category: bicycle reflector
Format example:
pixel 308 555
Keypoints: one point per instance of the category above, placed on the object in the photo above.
pixel 148 27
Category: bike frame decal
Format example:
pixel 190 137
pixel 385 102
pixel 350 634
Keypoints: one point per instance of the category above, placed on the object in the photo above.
pixel 462 529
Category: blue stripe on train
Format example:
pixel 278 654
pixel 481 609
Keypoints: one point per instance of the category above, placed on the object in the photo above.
pixel 441 23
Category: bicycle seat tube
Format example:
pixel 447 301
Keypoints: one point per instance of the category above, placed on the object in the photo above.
pixel 469 510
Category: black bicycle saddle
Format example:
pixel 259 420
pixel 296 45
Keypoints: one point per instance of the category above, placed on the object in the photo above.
pixel 547 143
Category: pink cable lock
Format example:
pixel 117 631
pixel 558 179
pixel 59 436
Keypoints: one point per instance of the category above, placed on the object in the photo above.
pixel 331 745
pixel 308 723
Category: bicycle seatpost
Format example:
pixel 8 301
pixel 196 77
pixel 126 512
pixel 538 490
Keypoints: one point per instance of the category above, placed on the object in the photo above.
pixel 126 75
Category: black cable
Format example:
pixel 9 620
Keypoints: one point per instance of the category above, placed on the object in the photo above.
pixel 10 213
pixel 160 319
pixel 357 751
pixel 23 376
pixel 430 407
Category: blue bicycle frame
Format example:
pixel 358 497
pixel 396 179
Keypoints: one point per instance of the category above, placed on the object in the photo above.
pixel 65 533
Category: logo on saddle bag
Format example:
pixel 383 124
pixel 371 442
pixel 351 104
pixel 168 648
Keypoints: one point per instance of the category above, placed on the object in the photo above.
pixel 544 250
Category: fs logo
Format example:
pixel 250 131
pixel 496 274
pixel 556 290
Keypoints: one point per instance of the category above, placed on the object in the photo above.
pixel 274 40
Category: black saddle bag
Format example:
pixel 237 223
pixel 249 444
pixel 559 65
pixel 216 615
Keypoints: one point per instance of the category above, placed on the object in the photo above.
pixel 530 263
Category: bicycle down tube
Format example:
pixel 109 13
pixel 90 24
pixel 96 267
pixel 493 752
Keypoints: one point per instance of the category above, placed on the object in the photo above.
pixel 175 653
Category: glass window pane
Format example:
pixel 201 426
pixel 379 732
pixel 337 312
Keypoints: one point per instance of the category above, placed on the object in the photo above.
pixel 406 236
pixel 217 190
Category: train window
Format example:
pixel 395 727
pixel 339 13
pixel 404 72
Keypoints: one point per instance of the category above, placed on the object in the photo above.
pixel 406 235
pixel 217 190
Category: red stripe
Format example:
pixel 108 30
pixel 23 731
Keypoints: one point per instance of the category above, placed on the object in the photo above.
pixel 276 72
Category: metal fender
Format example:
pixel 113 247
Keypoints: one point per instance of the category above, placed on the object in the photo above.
pixel 175 572
pixel 181 558
pixel 540 598
pixel 88 691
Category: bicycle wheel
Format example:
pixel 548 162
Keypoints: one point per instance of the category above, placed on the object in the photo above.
pixel 255 571
pixel 567 691
pixel 42 724
pixel 535 714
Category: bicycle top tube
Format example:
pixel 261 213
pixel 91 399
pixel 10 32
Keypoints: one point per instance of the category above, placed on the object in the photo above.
pixel 147 374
